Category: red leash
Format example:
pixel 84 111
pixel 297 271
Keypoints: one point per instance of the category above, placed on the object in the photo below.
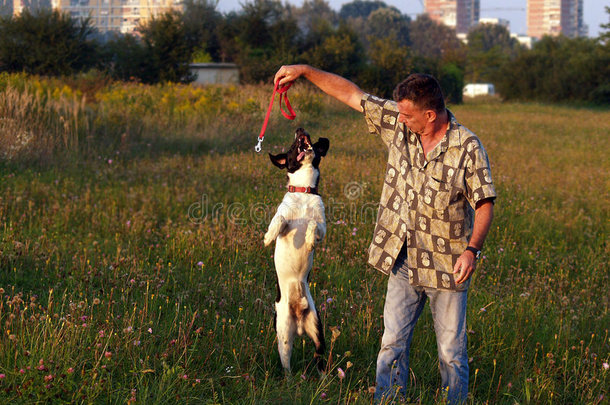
pixel 291 115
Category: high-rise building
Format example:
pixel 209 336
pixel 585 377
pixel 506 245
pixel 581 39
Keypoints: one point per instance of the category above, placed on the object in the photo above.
pixel 16 6
pixel 109 15
pixel 458 14
pixel 555 17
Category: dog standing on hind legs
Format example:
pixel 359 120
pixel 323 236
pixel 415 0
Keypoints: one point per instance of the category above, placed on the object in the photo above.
pixel 297 227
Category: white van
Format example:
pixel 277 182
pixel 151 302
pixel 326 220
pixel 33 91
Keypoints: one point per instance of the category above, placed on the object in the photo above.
pixel 479 89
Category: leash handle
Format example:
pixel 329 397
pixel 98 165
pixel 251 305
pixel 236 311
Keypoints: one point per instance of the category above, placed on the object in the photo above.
pixel 282 91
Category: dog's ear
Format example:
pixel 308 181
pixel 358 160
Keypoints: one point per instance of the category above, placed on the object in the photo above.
pixel 321 147
pixel 279 160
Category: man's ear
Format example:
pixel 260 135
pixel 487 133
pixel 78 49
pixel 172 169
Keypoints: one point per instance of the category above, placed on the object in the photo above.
pixel 321 147
pixel 279 160
pixel 430 115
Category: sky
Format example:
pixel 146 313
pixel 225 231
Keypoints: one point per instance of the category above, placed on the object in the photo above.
pixel 512 10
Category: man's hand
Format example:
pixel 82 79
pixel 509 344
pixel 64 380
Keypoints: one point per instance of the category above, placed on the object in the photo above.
pixel 464 266
pixel 288 74
pixel 466 263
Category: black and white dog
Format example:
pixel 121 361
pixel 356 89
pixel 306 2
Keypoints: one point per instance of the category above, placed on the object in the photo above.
pixel 297 227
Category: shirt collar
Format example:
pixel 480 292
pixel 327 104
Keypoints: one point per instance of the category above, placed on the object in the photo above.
pixel 451 138
pixel 453 133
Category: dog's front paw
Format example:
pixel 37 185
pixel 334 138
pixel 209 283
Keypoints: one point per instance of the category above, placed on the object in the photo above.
pixel 268 238
pixel 310 235
pixel 276 227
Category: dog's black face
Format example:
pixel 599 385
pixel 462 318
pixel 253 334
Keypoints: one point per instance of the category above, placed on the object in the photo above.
pixel 302 150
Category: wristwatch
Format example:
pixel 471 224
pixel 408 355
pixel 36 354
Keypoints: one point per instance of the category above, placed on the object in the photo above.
pixel 476 252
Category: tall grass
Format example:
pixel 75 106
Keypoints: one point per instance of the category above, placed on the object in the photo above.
pixel 42 118
pixel 132 267
pixel 37 124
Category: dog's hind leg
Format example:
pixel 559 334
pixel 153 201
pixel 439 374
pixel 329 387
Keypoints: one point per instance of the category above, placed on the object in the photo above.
pixel 313 328
pixel 276 227
pixel 286 328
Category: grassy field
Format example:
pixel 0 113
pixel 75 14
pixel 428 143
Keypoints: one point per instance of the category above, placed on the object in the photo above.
pixel 132 268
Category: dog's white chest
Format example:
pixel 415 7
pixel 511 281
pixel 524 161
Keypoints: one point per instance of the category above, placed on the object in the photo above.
pixel 302 206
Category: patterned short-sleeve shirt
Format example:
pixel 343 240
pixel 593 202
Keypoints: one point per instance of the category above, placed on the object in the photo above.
pixel 426 212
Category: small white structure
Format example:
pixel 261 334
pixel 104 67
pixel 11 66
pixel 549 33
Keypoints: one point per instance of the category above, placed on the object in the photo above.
pixel 524 40
pixel 479 89
pixel 495 21
pixel 215 73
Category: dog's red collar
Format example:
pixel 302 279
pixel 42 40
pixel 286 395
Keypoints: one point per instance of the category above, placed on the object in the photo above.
pixel 308 190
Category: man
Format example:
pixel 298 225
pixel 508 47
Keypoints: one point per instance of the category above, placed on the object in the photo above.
pixel 435 211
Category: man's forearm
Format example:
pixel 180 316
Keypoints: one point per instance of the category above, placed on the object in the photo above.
pixel 483 216
pixel 335 86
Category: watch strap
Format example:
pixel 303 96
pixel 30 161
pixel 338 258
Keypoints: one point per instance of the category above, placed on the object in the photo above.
pixel 476 251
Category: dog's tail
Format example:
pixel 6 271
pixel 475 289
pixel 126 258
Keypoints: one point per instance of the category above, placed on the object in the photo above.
pixel 297 302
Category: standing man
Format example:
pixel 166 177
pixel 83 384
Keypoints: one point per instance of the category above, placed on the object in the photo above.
pixel 435 211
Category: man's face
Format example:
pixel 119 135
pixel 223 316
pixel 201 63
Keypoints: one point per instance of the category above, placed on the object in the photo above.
pixel 412 116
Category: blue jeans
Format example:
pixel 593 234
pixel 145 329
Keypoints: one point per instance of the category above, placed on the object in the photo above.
pixel 403 305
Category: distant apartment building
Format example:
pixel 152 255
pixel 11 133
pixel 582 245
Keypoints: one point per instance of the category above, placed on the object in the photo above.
pixel 6 8
pixel 458 14
pixel 555 17
pixel 109 15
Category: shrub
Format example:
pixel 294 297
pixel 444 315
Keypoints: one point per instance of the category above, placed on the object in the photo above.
pixel 48 43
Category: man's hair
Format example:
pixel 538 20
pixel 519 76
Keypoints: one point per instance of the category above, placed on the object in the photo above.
pixel 421 89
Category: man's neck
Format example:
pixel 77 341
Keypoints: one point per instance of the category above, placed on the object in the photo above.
pixel 430 138
pixel 438 128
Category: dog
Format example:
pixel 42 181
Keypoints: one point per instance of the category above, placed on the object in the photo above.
pixel 297 227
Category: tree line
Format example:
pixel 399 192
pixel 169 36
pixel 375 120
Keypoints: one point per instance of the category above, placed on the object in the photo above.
pixel 369 42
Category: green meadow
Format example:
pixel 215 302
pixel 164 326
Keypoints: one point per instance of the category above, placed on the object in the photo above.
pixel 132 267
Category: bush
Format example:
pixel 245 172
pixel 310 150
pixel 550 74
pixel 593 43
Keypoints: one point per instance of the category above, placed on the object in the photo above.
pixel 47 43
pixel 128 59
pixel 340 53
pixel 451 79
pixel 167 49
pixel 558 70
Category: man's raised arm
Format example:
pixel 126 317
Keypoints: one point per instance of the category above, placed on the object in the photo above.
pixel 332 84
